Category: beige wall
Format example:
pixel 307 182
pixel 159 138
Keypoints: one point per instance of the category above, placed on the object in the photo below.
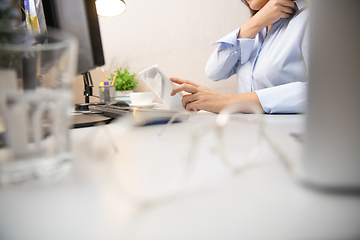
pixel 176 35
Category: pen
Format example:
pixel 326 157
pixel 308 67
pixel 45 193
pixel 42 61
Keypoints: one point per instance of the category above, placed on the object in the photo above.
pixel 113 81
pixel 103 74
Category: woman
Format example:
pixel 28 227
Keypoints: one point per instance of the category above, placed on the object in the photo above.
pixel 268 54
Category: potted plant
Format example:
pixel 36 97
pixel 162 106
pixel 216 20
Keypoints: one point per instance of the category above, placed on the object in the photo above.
pixel 123 81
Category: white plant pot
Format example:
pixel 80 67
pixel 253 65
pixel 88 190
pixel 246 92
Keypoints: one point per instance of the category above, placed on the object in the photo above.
pixel 123 93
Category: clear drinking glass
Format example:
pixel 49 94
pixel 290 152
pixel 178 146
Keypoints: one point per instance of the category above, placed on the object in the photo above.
pixel 35 103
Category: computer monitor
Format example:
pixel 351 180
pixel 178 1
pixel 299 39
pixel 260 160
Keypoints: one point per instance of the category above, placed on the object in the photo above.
pixel 79 18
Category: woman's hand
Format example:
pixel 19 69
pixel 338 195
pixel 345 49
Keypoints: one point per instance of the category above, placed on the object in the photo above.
pixel 203 98
pixel 274 10
pixel 271 12
pixel 199 97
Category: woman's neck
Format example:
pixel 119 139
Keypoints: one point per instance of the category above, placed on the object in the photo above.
pixel 268 29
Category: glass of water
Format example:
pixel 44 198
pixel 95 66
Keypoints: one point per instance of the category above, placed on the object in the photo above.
pixel 36 77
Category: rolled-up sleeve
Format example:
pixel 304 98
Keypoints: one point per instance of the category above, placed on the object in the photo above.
pixel 232 51
pixel 287 98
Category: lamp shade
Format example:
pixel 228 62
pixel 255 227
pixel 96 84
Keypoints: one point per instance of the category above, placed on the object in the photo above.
pixel 110 8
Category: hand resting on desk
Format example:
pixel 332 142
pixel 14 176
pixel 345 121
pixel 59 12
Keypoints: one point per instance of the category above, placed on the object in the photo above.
pixel 202 98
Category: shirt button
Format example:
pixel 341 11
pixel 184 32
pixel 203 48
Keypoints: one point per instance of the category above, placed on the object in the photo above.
pixel 235 52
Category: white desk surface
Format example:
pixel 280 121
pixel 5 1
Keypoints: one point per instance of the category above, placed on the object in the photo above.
pixel 262 202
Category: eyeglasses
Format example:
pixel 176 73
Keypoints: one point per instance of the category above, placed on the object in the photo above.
pixel 153 162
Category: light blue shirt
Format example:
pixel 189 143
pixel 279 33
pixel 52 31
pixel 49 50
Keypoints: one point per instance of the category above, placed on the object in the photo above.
pixel 275 66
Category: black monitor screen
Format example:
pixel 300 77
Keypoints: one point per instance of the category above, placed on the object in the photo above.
pixel 79 18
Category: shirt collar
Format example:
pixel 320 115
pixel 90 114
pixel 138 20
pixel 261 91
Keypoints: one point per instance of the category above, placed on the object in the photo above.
pixel 300 4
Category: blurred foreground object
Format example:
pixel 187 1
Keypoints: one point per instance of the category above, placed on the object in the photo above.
pixel 35 104
pixel 332 153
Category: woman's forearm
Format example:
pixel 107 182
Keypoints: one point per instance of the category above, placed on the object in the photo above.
pixel 222 64
pixel 250 29
pixel 246 98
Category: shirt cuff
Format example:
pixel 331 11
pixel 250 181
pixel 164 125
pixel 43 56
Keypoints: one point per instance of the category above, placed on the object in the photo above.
pixel 287 98
pixel 244 45
pixel 230 38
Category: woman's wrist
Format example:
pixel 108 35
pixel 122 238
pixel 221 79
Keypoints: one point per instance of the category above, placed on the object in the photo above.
pixel 249 29
pixel 252 27
pixel 249 97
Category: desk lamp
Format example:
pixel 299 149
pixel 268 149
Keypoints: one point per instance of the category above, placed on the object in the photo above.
pixel 110 8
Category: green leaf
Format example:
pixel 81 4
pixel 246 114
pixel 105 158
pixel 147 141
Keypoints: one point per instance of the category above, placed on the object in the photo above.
pixel 124 80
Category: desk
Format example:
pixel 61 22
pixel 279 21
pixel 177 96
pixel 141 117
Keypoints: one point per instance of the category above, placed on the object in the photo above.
pixel 88 120
pixel 262 202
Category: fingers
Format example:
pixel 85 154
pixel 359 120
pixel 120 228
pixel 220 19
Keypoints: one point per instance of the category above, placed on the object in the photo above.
pixel 189 98
pixel 281 8
pixel 189 102
pixel 184 87
pixel 182 81
pixel 289 7
pixel 290 4
pixel 288 10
